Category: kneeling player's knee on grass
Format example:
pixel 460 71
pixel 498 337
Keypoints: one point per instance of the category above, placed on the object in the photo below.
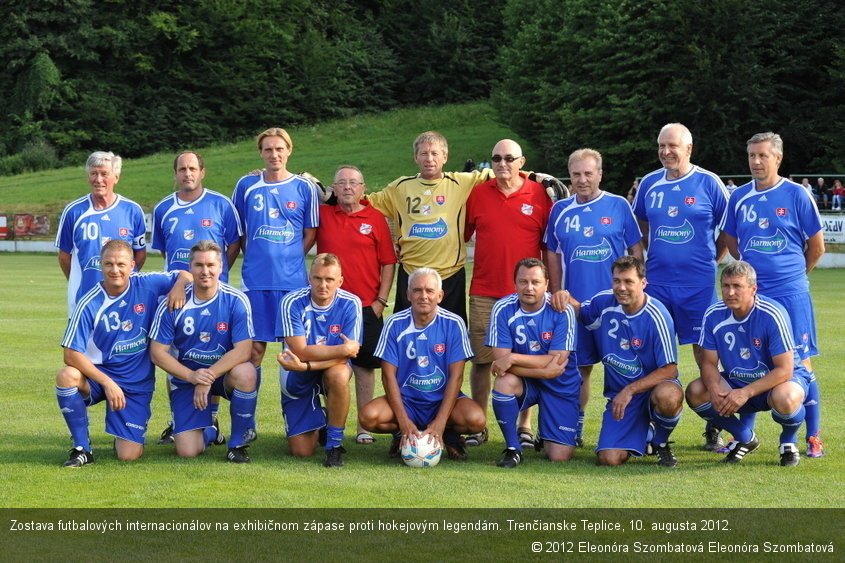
pixel 612 458
pixel 559 452
pixel 128 451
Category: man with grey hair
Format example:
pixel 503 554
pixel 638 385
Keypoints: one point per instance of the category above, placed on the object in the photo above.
pixel 774 224
pixel 423 351
pixel 94 219
pixel 679 208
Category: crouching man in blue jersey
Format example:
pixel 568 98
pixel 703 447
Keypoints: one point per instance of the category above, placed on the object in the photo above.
pixel 635 337
pixel 423 351
pixel 534 363
pixel 752 338
pixel 106 353
pixel 205 349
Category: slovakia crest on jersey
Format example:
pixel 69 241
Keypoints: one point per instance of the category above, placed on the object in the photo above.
pixel 139 308
pixel 527 209
pixel 291 205
pixel 426 210
pixel 624 344
pixel 763 223
pixel 126 326
pixel 222 327
pixel 205 336
pixel 781 211
pixel 422 361
pixel 606 220
pixel 206 223
pixel 273 213
pixel 439 349
pixel 124 232
pixel 589 231
pixel 441 199
pixel 188 234
pixel 534 346
pixel 365 229
pixel 757 342
pixel 744 353
pixel 673 211
pixel 334 329
pixel 636 343
pixel 689 201
pixel 547 335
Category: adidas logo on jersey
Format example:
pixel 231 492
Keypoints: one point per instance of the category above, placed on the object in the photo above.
pixel 274 191
pixel 677 188
pixel 189 212
pixel 105 217
pixel 531 322
pixel 763 198
pixel 427 192
pixel 122 303
pixel 422 336
pixel 588 208
pixel 205 313
pixel 742 329
pixel 321 318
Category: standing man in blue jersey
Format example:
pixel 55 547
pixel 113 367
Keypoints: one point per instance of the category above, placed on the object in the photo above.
pixel 679 208
pixel 534 350
pixel 321 325
pixel 774 225
pixel 91 221
pixel 279 216
pixel 205 348
pixel 750 336
pixel 424 350
pixel 635 337
pixel 191 214
pixel 106 354
pixel 585 234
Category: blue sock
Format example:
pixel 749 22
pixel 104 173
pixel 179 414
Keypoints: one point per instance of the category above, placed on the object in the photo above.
pixel 242 411
pixel 749 419
pixel 814 408
pixel 579 430
pixel 75 412
pixel 506 409
pixel 732 424
pixel 663 426
pixel 791 423
pixel 257 387
pixel 215 407
pixel 209 434
pixel 334 436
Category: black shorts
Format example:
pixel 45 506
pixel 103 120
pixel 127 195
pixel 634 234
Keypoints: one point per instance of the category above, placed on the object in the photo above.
pixel 454 293
pixel 370 332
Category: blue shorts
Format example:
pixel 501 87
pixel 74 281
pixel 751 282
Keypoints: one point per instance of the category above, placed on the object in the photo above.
pixel 630 433
pixel 558 418
pixel 301 407
pixel 586 352
pixel 760 403
pixel 687 306
pixel 129 423
pixel 186 417
pixel 803 319
pixel 266 314
pixel 421 414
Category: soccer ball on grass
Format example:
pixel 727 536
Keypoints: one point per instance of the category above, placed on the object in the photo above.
pixel 421 452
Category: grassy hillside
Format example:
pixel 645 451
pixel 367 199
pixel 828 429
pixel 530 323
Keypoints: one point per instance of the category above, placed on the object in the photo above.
pixel 379 144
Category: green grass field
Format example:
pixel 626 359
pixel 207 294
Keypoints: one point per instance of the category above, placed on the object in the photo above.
pixel 35 442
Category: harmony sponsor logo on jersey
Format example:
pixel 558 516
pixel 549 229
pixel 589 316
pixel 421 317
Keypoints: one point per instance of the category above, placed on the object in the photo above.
pixel 279 235
pixel 204 357
pixel 93 263
pixel 748 375
pixel 597 253
pixel 767 245
pixel 630 369
pixel 131 346
pixel 429 231
pixel 426 383
pixel 675 235
pixel 181 256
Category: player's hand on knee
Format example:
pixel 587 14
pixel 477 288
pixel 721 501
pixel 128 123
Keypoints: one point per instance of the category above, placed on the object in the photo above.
pixel 620 403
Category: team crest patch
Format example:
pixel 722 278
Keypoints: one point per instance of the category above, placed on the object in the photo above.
pixel 422 361
pixel 689 201
pixel 636 343
pixel 744 353
pixel 206 223
pixel 763 223
pixel 527 209
pixel 205 336
pixel 673 211
pixel 334 329
pixel 757 342
pixel 124 232
pixel 534 346
pixel 291 205
pixel 222 327
pixel 126 326
pixel 606 221
pixel 426 210
pixel 624 344
pixel 441 199
pixel 547 335
pixel 273 213
pixel 365 229
pixel 321 341
pixel 781 211
pixel 139 308
pixel 439 349
pixel 188 234
pixel 589 231
pixel 805 338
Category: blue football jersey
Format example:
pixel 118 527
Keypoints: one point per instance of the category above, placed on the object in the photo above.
pixel 631 346
pixel 178 225
pixel 321 326
pixel 422 355
pixel 589 237
pixel 746 346
pixel 112 332
pixel 273 218
pixel 84 230
pixel 535 334
pixel 682 216
pixel 201 332
pixel 771 227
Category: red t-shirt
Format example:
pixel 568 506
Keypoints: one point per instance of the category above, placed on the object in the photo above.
pixel 507 229
pixel 363 243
